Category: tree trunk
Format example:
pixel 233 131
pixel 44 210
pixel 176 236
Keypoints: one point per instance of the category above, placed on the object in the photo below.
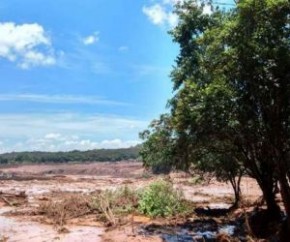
pixel 237 199
pixel 285 193
pixel 236 185
pixel 269 196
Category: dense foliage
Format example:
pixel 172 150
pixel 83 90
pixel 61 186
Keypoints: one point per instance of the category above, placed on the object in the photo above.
pixel 161 199
pixel 70 156
pixel 230 111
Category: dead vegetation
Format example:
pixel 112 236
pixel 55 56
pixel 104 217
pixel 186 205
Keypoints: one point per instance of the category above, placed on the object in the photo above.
pixel 109 207
pixel 62 206
pixel 11 199
pixel 113 206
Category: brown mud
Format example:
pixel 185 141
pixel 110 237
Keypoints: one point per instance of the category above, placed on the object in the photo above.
pixel 23 189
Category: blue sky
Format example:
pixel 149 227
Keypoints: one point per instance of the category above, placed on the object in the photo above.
pixel 82 74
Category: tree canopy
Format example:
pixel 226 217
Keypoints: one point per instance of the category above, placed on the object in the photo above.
pixel 231 93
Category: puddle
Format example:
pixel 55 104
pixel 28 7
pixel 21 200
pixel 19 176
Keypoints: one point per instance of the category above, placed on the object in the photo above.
pixel 219 206
pixel 198 230
pixel 227 229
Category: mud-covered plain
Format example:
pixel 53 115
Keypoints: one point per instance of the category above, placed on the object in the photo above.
pixel 24 188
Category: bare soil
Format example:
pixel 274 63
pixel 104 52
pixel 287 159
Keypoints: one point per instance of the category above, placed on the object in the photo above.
pixel 24 188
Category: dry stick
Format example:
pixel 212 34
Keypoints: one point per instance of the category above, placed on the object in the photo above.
pixel 6 201
pixel 132 224
pixel 107 211
pixel 248 227
pixel 80 214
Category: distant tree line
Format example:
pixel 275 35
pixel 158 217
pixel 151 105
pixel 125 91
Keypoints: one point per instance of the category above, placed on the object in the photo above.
pixel 98 155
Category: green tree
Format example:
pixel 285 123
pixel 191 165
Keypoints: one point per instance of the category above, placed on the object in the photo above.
pixel 236 64
pixel 258 69
pixel 232 90
pixel 157 152
pixel 202 107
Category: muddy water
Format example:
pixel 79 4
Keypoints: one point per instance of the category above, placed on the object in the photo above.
pixel 198 230
pixel 16 230
pixel 203 230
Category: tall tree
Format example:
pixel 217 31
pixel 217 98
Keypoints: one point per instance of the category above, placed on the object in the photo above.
pixel 236 64
pixel 232 90
pixel 258 69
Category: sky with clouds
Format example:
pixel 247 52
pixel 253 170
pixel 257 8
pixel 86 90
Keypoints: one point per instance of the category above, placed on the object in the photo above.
pixel 82 74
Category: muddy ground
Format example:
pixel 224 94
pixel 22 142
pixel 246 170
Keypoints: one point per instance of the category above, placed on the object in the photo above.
pixel 23 188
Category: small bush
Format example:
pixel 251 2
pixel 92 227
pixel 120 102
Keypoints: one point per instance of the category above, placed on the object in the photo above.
pixel 161 199
pixel 112 204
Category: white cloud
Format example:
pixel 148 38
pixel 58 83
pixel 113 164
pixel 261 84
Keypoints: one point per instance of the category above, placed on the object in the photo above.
pixel 172 2
pixel 207 9
pixel 156 13
pixel 52 136
pixel 161 13
pixel 27 45
pixel 68 142
pixel 91 39
pixel 60 99
pixel 19 132
pixel 172 19
pixel 118 143
pixel 33 58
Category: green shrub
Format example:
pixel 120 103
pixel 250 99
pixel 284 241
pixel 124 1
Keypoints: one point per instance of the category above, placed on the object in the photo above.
pixel 161 199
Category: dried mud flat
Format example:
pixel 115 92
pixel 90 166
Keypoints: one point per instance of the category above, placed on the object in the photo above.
pixel 40 182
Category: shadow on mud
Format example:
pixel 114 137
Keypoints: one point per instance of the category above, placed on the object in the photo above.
pixel 212 212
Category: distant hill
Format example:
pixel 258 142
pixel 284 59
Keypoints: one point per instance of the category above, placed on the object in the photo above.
pixel 100 155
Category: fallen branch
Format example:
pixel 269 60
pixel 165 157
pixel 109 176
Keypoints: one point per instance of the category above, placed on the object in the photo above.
pixel 6 201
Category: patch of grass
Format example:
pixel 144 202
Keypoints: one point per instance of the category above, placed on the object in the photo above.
pixel 161 199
